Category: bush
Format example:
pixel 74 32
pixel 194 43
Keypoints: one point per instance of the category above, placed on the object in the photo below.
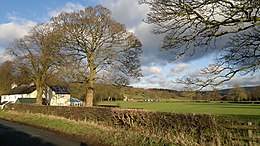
pixel 184 129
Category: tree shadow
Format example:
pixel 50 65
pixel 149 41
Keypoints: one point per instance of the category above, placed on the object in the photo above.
pixel 12 137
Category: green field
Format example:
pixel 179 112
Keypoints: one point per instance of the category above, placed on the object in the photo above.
pixel 245 111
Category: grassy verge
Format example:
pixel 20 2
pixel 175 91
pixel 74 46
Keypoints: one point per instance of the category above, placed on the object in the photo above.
pixel 83 131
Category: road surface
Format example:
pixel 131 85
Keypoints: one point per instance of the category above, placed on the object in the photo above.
pixel 12 134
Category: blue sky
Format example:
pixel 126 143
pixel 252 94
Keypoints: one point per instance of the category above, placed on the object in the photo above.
pixel 35 10
pixel 17 16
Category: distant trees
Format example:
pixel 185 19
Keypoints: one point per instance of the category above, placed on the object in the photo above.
pixel 213 95
pixel 9 75
pixel 237 93
pixel 37 56
pixel 255 93
pixel 229 27
pixel 100 48
pixel 6 76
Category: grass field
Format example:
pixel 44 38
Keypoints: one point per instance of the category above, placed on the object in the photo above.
pixel 245 111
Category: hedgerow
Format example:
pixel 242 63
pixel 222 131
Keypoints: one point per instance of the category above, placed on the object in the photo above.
pixel 183 129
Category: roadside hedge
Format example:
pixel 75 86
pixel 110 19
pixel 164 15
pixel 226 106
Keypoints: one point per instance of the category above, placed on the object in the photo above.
pixel 183 129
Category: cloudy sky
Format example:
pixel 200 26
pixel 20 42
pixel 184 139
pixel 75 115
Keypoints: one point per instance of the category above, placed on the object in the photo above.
pixel 159 71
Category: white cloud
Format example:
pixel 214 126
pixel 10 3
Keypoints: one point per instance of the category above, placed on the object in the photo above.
pixel 130 13
pixel 12 30
pixel 4 57
pixel 243 81
pixel 179 68
pixel 158 81
pixel 151 70
pixel 69 7
pixel 16 28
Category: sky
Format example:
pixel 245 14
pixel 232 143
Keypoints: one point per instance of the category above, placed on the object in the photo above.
pixel 158 68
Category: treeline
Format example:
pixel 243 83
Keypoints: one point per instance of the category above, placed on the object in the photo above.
pixel 236 93
pixel 105 92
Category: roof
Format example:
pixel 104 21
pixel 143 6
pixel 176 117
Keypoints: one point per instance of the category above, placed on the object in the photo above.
pixel 26 89
pixel 60 89
pixel 75 100
pixel 23 89
pixel 26 100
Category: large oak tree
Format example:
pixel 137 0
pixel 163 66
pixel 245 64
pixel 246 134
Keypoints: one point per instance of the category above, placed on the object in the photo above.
pixel 190 25
pixel 36 55
pixel 100 48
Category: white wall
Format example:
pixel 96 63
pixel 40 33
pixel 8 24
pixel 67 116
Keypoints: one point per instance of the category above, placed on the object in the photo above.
pixel 60 100
pixel 10 98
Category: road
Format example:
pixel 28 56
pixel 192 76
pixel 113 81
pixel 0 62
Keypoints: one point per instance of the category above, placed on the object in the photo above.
pixel 13 134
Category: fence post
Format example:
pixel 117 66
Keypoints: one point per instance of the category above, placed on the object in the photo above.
pixel 250 135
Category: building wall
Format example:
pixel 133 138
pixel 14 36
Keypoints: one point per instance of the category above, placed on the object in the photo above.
pixel 48 94
pixel 31 95
pixel 13 98
pixel 10 98
pixel 60 100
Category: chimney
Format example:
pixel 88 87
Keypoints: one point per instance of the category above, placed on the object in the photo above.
pixel 13 86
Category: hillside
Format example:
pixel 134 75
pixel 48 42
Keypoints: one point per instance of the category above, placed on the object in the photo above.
pixel 104 91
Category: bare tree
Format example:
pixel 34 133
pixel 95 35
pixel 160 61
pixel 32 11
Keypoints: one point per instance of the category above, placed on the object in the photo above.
pixel 99 46
pixel 6 78
pixel 241 55
pixel 9 75
pixel 190 25
pixel 36 55
pixel 255 93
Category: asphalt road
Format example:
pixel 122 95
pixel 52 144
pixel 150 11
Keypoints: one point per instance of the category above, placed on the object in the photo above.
pixel 13 134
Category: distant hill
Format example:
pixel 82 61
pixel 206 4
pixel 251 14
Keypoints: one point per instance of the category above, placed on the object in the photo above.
pixel 104 91
pixel 222 91
pixel 167 90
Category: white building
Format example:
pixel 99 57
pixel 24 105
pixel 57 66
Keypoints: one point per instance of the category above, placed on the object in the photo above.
pixel 58 96
pixel 53 95
pixel 23 91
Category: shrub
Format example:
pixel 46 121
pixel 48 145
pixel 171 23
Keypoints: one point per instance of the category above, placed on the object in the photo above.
pixel 184 129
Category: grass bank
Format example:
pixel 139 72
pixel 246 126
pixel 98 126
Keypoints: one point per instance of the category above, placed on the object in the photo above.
pixel 85 132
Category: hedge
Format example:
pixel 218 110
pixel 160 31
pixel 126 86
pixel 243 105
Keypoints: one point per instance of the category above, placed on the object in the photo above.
pixel 184 129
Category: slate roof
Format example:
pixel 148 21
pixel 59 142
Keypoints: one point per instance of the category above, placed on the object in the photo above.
pixel 23 89
pixel 75 100
pixel 60 89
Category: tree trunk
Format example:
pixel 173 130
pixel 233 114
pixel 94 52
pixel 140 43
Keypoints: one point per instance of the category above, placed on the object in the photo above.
pixel 39 90
pixel 90 87
pixel 90 96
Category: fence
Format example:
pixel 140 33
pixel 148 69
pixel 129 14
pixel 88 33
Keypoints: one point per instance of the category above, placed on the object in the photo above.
pixel 245 134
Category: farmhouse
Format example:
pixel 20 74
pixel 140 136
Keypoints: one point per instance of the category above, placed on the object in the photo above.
pixel 53 95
